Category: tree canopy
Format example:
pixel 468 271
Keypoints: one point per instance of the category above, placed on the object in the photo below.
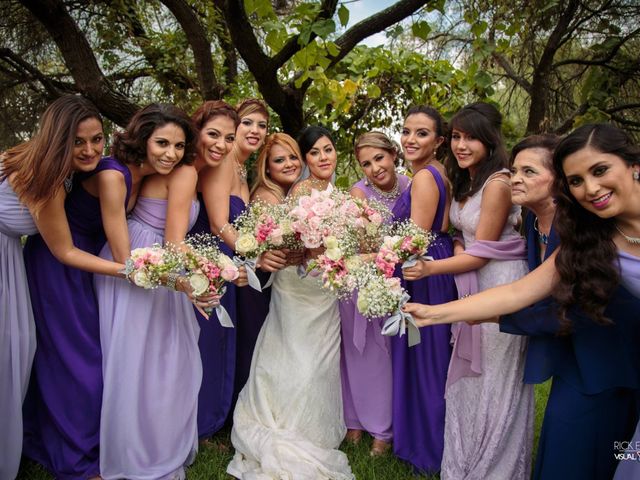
pixel 548 65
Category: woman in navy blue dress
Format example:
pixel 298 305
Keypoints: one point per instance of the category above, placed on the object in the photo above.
pixel 595 279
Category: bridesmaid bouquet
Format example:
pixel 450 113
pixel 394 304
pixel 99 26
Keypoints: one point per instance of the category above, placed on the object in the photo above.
pixel 407 243
pixel 148 265
pixel 208 269
pixel 264 227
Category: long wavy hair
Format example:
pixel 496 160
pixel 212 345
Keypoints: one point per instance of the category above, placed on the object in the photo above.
pixel 587 263
pixel 130 145
pixel 262 164
pixel 483 121
pixel 42 163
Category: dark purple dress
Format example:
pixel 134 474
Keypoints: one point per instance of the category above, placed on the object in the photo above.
pixel 217 343
pixel 420 372
pixel 62 408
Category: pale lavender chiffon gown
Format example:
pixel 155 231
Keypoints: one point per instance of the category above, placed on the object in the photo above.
pixel 17 330
pixel 365 361
pixel 151 366
pixel 489 418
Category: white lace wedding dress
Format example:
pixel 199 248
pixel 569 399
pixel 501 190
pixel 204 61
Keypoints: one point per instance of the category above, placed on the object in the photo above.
pixel 288 421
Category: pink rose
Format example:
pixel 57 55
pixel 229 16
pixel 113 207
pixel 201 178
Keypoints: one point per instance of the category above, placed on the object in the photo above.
pixel 229 273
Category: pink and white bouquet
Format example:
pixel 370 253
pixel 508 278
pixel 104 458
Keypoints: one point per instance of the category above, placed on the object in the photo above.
pixel 207 268
pixel 264 227
pixel 147 266
pixel 407 243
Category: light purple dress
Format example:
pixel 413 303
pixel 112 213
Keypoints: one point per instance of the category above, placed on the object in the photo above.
pixel 489 418
pixel 365 361
pixel 17 330
pixel 151 366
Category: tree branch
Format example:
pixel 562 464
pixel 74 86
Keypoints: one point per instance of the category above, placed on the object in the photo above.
pixel 511 73
pixel 80 60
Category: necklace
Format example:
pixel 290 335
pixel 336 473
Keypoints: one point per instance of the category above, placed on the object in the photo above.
pixel 241 170
pixel 318 184
pixel 543 237
pixel 391 194
pixel 631 240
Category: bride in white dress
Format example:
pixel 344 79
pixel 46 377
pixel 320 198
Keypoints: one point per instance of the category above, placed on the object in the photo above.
pixel 288 422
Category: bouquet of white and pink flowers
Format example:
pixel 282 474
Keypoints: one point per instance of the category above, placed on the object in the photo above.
pixel 208 269
pixel 147 266
pixel 263 226
pixel 407 243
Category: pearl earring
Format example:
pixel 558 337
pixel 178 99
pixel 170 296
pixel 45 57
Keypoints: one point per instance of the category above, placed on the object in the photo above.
pixel 636 175
pixel 366 181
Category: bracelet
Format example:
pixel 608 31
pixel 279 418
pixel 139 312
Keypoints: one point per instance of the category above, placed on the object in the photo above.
pixel 224 227
pixel 172 278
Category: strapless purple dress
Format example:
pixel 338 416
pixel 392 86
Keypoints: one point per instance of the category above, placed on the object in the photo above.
pixel 217 344
pixel 151 364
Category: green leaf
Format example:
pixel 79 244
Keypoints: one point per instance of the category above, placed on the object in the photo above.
pixel 343 182
pixel 479 28
pixel 332 49
pixel 421 29
pixel 343 15
pixel 373 91
pixel 483 79
pixel 323 28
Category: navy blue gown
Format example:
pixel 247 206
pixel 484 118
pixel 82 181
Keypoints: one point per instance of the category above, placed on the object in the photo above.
pixel 596 374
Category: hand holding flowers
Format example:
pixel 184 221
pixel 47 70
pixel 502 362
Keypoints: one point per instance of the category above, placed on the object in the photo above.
pixel 149 267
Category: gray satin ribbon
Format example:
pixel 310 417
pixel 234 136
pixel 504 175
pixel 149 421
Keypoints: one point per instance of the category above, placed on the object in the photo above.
pixel 250 266
pixel 401 322
pixel 413 260
pixel 269 282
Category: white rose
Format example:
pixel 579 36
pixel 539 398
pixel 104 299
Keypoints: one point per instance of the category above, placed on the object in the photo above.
pixel 362 303
pixel 141 279
pixel 353 262
pixel 286 227
pixel 246 243
pixel 334 254
pixel 199 283
pixel 331 242
pixel 225 261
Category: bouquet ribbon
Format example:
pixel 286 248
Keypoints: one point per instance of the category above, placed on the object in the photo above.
pixel 250 265
pixel 401 322
pixel 221 312
pixel 413 260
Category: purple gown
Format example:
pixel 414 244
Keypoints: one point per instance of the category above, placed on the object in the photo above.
pixel 217 344
pixel 62 408
pixel 420 372
pixel 17 331
pixel 365 360
pixel 152 369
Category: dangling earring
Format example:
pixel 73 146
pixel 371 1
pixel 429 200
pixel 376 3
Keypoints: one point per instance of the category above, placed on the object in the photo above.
pixel 366 181
pixel 267 171
pixel 636 175
pixel 68 183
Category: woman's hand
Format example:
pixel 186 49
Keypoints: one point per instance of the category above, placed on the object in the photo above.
pixel 294 257
pixel 314 252
pixel 242 280
pixel 421 313
pixel 272 260
pixel 420 270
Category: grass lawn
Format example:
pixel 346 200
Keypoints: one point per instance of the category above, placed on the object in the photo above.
pixel 212 461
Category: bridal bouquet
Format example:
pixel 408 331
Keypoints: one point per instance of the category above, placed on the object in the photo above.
pixel 264 227
pixel 147 266
pixel 207 267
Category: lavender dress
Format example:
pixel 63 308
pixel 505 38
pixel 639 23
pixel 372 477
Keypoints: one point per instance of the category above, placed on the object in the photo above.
pixel 365 361
pixel 62 408
pixel 489 420
pixel 17 331
pixel 420 372
pixel 152 368
pixel 217 344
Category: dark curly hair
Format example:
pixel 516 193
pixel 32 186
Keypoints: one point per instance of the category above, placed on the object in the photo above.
pixel 587 263
pixel 483 121
pixel 130 145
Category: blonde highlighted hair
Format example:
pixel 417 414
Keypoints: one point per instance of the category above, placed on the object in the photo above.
pixel 376 140
pixel 263 179
pixel 252 105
